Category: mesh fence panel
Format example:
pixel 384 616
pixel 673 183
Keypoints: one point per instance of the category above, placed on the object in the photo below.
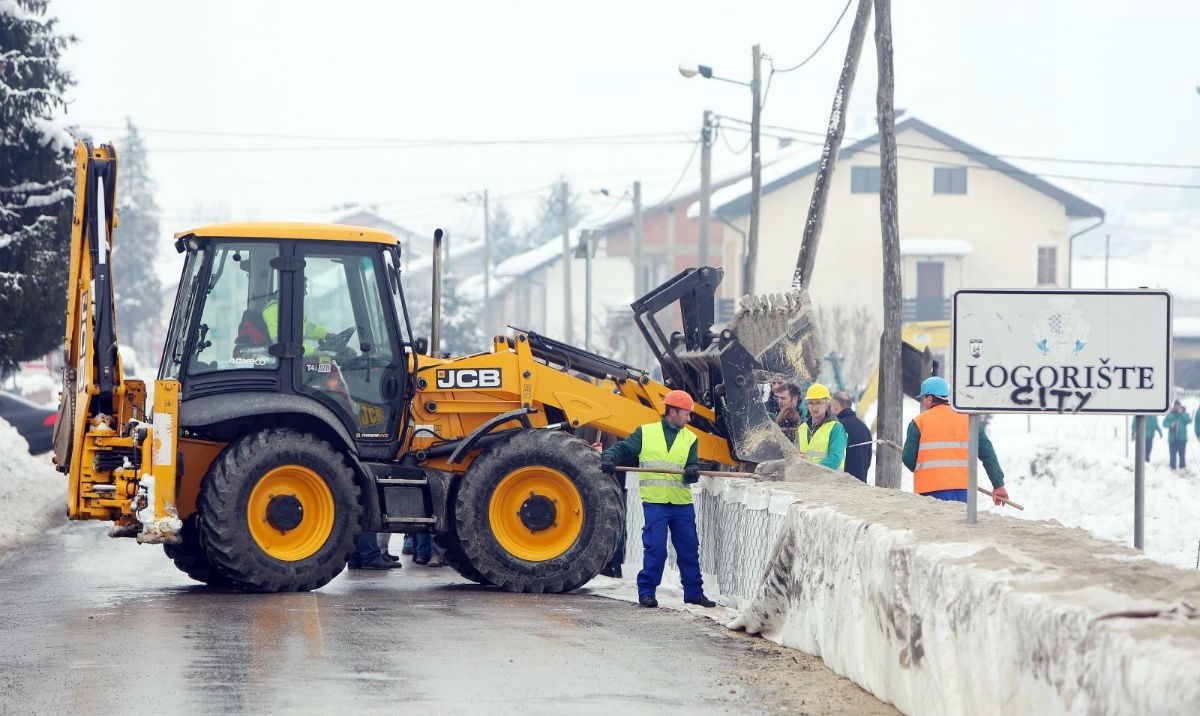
pixel 736 539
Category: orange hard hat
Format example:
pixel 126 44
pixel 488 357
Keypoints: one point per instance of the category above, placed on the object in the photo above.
pixel 679 399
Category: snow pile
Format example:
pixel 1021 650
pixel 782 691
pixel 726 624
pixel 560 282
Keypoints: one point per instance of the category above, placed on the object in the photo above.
pixel 895 592
pixel 32 494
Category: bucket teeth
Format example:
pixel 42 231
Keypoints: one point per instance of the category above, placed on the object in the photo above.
pixel 779 331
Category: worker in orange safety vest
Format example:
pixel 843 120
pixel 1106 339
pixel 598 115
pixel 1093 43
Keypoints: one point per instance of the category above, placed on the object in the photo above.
pixel 935 448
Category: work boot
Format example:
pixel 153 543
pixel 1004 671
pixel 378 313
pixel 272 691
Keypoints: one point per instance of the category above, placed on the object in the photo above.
pixel 377 563
pixel 611 571
pixel 648 600
pixel 436 561
pixel 701 601
pixel 390 556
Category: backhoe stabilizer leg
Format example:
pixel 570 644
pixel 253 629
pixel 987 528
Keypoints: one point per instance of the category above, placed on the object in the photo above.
pixel 154 503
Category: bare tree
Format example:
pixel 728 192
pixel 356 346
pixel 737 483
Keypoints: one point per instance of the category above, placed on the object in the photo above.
pixel 851 333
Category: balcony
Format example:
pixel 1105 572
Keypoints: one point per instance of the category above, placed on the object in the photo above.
pixel 926 309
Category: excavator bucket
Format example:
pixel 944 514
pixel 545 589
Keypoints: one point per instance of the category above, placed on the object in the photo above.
pixel 769 337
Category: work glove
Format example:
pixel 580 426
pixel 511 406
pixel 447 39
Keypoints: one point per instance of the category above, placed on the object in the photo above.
pixel 608 466
pixel 691 475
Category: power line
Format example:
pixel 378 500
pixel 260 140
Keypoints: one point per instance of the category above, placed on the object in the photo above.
pixel 981 153
pixel 682 174
pixel 378 142
pixel 814 52
pixel 1015 171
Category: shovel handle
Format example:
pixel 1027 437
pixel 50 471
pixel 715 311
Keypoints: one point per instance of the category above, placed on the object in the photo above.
pixel 677 471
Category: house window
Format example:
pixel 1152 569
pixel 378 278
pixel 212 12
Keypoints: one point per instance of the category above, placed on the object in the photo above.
pixel 949 180
pixel 864 180
pixel 1047 267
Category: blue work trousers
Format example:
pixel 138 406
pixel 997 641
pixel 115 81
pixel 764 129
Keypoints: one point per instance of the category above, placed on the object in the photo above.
pixel 948 495
pixel 681 521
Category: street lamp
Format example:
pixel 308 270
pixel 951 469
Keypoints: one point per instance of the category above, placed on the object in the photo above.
pixel 755 86
pixel 586 250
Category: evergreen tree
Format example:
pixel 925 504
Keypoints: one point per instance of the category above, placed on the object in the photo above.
pixel 460 330
pixel 35 183
pixel 135 248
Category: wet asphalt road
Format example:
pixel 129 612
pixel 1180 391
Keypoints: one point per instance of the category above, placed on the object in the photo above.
pixel 94 625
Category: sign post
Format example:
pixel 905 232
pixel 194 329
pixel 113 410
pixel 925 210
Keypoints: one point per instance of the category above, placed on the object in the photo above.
pixel 1063 352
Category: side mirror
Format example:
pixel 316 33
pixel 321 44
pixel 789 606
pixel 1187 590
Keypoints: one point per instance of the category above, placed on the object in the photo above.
pixel 422 345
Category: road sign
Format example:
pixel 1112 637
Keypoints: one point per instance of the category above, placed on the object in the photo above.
pixel 1061 351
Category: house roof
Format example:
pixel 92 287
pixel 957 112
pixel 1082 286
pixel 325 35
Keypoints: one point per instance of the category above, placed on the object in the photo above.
pixel 625 221
pixel 505 273
pixel 737 200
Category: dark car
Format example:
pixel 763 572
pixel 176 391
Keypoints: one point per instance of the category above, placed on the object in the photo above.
pixel 34 422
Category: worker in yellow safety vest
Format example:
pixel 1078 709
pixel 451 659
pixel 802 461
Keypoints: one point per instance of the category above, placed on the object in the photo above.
pixel 936 449
pixel 666 498
pixel 821 438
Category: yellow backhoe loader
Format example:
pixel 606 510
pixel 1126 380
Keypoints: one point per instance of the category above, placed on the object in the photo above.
pixel 294 408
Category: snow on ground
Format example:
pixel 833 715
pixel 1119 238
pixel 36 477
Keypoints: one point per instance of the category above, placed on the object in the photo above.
pixel 32 494
pixel 1078 471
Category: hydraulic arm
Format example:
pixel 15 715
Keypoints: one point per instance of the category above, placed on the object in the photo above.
pixel 120 467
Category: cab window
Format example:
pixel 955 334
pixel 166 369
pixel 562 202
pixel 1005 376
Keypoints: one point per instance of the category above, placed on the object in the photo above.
pixel 239 322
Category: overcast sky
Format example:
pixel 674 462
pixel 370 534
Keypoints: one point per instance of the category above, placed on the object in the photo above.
pixel 1086 79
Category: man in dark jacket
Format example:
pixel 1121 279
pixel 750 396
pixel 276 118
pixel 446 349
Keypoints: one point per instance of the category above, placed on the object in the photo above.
pixel 858 454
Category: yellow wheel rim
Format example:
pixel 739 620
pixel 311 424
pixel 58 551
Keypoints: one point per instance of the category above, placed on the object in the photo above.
pixel 536 513
pixel 290 513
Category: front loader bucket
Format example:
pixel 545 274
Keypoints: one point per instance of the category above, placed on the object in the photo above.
pixel 769 337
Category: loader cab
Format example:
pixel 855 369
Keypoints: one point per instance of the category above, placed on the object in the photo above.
pixel 290 322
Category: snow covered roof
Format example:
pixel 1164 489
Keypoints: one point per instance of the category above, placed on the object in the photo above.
pixel 935 247
pixel 736 200
pixel 773 174
pixel 508 271
pixel 458 248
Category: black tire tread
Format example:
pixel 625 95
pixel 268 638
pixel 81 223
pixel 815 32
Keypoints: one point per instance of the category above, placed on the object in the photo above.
pixel 189 555
pixel 223 495
pixel 603 513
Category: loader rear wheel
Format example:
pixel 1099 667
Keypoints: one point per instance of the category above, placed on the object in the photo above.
pixel 279 512
pixel 535 513
pixel 189 556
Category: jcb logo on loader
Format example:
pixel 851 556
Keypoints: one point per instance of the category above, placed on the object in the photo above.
pixel 468 378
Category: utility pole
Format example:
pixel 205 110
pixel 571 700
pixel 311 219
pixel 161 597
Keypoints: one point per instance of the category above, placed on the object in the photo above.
pixel 802 278
pixel 638 282
pixel 706 137
pixel 755 172
pixel 891 381
pixel 566 243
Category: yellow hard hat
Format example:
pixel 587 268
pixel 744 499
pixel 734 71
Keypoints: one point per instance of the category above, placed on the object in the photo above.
pixel 816 391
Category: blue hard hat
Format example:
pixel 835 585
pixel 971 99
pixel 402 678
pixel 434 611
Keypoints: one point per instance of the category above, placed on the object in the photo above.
pixel 936 387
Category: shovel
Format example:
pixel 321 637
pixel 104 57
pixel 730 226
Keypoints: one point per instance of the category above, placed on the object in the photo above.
pixel 677 471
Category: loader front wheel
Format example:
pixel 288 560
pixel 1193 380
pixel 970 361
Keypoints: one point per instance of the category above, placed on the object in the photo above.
pixel 279 512
pixel 536 514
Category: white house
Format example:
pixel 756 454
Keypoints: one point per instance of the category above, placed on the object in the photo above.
pixel 967 218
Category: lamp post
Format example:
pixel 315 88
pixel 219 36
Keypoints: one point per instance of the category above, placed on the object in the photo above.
pixel 586 250
pixel 755 86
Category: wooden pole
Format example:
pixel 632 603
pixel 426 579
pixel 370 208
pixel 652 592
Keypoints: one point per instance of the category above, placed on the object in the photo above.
pixel 755 172
pixel 891 381
pixel 706 137
pixel 802 277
